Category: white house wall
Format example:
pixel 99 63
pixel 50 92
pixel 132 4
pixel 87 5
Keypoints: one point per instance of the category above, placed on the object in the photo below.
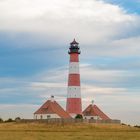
pixel 45 116
pixel 92 117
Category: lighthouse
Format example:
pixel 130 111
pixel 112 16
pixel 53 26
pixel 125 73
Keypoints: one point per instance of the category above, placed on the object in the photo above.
pixel 74 106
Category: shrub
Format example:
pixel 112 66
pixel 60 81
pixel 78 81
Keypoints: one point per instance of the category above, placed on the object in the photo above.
pixel 137 126
pixel 9 120
pixel 78 116
pixel 1 120
pixel 123 124
pixel 17 119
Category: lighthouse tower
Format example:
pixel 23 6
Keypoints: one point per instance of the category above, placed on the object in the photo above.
pixel 74 106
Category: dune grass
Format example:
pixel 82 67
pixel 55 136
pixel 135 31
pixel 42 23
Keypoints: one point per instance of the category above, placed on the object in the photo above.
pixel 42 131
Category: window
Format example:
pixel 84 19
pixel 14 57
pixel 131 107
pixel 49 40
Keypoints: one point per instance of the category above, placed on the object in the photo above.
pixel 48 116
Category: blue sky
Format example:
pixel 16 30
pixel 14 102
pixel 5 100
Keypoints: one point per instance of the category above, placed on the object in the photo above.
pixel 34 41
pixel 131 6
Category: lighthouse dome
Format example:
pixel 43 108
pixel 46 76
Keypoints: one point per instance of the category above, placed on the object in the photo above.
pixel 74 48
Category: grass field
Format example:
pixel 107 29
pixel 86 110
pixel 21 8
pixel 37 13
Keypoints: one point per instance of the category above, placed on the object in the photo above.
pixel 36 131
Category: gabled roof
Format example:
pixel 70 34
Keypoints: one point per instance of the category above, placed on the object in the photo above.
pixel 93 110
pixel 52 107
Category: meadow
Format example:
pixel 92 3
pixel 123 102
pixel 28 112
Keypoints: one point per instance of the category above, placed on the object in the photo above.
pixel 42 131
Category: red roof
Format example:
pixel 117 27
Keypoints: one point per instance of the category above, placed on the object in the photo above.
pixel 74 42
pixel 93 110
pixel 52 107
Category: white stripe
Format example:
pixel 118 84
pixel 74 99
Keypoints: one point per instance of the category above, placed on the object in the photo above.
pixel 74 68
pixel 74 92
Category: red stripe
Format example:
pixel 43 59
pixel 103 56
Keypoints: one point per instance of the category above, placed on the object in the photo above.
pixel 74 80
pixel 74 105
pixel 74 57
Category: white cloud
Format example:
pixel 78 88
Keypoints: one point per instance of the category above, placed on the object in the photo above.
pixel 102 29
pixel 128 46
pixel 90 21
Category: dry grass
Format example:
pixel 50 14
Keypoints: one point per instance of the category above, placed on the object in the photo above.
pixel 35 131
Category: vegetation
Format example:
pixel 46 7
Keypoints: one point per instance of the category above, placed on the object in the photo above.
pixel 42 131
pixel 137 126
pixel 1 120
pixel 78 116
pixel 9 120
pixel 17 119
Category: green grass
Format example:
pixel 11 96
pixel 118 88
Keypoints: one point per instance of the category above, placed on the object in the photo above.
pixel 36 131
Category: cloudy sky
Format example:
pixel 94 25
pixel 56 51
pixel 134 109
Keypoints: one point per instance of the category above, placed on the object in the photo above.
pixel 34 41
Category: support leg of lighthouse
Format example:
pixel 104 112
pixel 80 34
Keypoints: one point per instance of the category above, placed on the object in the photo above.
pixel 74 106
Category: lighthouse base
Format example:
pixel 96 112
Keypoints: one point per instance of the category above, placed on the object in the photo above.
pixel 73 115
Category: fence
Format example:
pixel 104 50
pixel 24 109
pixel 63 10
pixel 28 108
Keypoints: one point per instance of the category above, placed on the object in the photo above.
pixel 68 121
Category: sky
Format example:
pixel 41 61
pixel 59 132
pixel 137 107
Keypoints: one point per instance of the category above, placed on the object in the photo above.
pixel 34 43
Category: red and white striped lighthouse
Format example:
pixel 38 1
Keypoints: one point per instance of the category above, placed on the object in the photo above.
pixel 74 105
